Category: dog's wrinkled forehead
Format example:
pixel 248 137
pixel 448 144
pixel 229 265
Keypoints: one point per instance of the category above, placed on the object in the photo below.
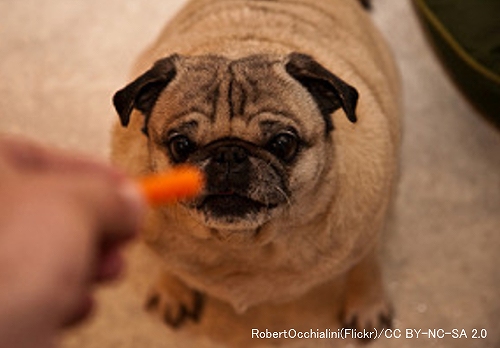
pixel 257 84
pixel 293 88
pixel 197 85
pixel 223 89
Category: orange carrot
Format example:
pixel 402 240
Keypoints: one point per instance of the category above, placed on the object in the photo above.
pixel 168 187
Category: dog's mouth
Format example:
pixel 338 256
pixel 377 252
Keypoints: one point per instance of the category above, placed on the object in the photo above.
pixel 232 205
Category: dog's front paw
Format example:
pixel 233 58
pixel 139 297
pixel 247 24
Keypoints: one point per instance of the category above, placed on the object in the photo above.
pixel 366 307
pixel 174 302
pixel 367 314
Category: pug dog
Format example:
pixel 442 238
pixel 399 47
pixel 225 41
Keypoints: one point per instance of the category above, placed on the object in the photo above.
pixel 290 108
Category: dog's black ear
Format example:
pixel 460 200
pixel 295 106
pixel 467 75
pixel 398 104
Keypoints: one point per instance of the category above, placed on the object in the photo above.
pixel 143 92
pixel 329 91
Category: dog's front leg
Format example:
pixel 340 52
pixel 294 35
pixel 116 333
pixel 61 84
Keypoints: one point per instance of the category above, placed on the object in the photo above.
pixel 174 301
pixel 366 305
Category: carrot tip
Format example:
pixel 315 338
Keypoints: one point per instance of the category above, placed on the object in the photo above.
pixel 178 183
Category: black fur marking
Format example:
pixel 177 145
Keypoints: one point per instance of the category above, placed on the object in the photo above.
pixel 367 4
pixel 230 97
pixel 143 92
pixel 329 91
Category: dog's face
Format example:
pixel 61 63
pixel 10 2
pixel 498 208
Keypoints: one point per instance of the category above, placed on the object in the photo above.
pixel 259 128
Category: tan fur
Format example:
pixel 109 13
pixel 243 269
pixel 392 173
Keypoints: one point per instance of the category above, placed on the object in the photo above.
pixel 333 225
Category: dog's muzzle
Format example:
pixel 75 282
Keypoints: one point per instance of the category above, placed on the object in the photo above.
pixel 232 173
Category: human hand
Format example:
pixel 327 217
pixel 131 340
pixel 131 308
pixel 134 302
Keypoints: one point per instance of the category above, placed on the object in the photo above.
pixel 63 219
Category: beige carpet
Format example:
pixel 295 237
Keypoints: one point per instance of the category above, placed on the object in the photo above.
pixel 62 60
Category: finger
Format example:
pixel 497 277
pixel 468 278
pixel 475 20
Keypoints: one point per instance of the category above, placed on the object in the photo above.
pixel 114 212
pixel 26 155
pixel 115 208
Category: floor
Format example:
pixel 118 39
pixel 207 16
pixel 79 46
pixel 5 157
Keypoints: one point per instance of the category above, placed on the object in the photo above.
pixel 61 62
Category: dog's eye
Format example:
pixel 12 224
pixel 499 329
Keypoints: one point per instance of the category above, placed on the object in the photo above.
pixel 284 146
pixel 180 147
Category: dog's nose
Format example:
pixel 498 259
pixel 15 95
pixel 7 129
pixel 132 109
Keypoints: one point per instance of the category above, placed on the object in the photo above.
pixel 229 169
pixel 231 155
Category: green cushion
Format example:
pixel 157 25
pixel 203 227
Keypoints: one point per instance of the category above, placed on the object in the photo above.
pixel 466 35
